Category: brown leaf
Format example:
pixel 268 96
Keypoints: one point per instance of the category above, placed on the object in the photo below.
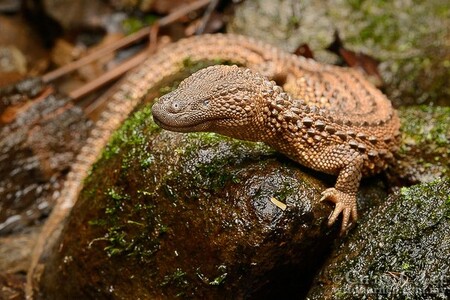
pixel 304 50
pixel 361 61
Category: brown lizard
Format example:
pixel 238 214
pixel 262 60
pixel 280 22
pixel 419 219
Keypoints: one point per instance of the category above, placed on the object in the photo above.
pixel 258 56
pixel 334 121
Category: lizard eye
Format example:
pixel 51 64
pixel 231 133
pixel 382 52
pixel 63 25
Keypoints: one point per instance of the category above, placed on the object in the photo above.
pixel 206 102
pixel 175 106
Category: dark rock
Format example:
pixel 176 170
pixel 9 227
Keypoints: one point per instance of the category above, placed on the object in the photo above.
pixel 20 92
pixel 36 152
pixel 190 215
pixel 400 251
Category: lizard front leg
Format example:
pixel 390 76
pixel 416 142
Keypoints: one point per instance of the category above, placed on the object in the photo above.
pixel 345 190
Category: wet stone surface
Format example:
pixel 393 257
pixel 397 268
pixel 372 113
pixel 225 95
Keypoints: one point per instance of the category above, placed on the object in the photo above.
pixel 37 147
pixel 190 215
pixel 424 155
pixel 399 252
pixel 20 92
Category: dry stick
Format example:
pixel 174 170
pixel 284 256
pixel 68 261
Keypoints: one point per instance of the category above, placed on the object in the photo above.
pixel 123 68
pixel 207 15
pixel 144 32
pixel 111 75
pixel 153 44
pixel 70 67
pixel 117 72
pixel 182 12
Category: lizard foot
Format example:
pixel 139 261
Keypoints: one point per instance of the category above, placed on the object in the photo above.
pixel 345 204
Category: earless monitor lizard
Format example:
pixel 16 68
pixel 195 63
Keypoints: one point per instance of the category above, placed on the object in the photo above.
pixel 327 118
pixel 330 119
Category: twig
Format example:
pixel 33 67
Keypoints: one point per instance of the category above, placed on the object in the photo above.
pixel 184 10
pixel 206 16
pixel 143 33
pixel 153 38
pixel 70 67
pixel 108 76
pixel 131 63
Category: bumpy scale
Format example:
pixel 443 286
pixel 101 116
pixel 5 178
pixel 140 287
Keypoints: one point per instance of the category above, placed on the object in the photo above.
pixel 356 133
pixel 331 120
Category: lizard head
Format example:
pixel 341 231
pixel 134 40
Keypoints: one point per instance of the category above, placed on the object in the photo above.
pixel 222 99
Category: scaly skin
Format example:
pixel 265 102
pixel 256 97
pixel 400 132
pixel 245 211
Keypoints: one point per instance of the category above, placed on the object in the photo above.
pixel 334 122
pixel 258 56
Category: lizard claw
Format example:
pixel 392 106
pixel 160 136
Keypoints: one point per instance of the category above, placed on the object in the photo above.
pixel 345 204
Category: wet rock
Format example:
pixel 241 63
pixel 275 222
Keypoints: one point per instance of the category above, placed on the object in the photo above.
pixel 287 24
pixel 415 62
pixel 424 155
pixel 37 148
pixel 166 215
pixel 400 251
pixel 19 93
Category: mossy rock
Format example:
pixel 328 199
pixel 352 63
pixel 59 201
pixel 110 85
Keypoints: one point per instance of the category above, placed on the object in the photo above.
pixel 400 251
pixel 409 38
pixel 170 215
pixel 424 155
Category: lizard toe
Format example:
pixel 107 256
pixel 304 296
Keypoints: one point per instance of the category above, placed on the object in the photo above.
pixel 330 195
pixel 345 205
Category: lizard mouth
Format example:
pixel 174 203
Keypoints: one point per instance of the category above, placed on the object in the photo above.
pixel 179 126
pixel 184 122
pixel 171 126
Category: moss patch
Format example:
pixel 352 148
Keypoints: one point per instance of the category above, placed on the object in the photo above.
pixel 425 151
pixel 409 38
pixel 400 252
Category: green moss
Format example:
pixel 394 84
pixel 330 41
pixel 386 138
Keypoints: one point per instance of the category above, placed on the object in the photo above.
pixel 402 250
pixel 212 167
pixel 125 213
pixel 425 141
pixel 178 281
pixel 413 60
pixel 221 278
pixel 405 266
pixel 117 241
pixel 134 131
pixel 116 201
pixel 426 124
pixel 286 190
pixel 132 24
